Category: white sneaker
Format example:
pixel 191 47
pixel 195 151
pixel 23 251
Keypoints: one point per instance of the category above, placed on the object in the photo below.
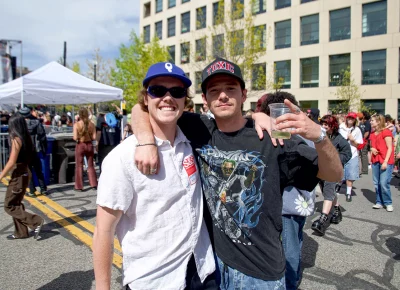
pixel 389 208
pixel 377 206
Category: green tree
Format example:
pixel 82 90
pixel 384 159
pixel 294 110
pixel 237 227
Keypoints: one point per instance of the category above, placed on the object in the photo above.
pixel 132 64
pixel 103 68
pixel 349 95
pixel 235 37
pixel 76 67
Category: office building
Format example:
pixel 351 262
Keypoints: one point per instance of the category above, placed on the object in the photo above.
pixel 309 43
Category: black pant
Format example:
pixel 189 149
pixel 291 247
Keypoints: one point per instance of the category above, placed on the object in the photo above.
pixel 193 281
pixel 36 166
pixel 103 152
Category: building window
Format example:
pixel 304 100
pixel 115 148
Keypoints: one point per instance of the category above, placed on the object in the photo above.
pixel 218 46
pixel 260 36
pixel 171 3
pixel 146 34
pixel 158 6
pixel 309 72
pixel 338 106
pixel 197 81
pixel 377 106
pixel 185 52
pixel 237 9
pixel 310 29
pixel 306 105
pixel 201 17
pixel 171 51
pixel 171 26
pixel 306 1
pixel 279 4
pixel 184 1
pixel 374 18
pixel 201 49
pixel 158 27
pixel 338 64
pixel 185 27
pixel 340 27
pixel 237 42
pixel 218 12
pixel 374 67
pixel 283 73
pixel 187 74
pixel 259 6
pixel 283 34
pixel 147 9
pixel 258 77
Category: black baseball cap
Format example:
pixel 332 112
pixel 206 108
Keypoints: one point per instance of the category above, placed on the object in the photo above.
pixel 221 66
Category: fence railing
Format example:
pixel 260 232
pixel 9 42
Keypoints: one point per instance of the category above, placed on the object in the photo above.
pixel 4 150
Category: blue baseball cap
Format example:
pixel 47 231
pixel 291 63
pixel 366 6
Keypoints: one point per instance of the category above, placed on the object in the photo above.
pixel 166 69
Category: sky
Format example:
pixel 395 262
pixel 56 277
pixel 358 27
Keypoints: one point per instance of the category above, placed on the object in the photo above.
pixel 44 25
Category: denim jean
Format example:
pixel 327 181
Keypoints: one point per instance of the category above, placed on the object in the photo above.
pixel 382 180
pixel 232 279
pixel 292 241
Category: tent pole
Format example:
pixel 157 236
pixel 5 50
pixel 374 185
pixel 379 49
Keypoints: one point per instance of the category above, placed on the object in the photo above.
pixel 122 121
pixel 22 81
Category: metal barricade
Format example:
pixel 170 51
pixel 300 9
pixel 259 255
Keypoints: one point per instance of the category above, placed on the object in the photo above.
pixel 4 150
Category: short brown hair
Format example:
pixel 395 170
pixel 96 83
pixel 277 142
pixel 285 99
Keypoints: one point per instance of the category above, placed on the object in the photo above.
pixel 143 95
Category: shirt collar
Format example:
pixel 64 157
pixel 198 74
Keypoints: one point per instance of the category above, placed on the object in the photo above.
pixel 180 137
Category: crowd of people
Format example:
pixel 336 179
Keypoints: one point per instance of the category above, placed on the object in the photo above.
pixel 210 200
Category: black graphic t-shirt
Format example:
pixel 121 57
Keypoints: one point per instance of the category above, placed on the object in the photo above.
pixel 243 179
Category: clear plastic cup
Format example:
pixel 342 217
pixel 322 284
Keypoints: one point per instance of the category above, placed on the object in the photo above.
pixel 276 110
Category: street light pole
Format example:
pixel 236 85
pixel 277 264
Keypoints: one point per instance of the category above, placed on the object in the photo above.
pixel 94 78
pixel 20 70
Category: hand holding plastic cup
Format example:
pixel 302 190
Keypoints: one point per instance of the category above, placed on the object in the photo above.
pixel 276 110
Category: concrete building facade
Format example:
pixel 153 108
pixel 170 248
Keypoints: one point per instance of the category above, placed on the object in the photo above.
pixel 309 43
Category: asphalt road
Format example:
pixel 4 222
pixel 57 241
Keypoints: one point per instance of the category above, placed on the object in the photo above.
pixel 362 252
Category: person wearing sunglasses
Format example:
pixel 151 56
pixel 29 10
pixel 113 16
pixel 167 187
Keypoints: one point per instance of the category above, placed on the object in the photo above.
pixel 158 217
pixel 245 202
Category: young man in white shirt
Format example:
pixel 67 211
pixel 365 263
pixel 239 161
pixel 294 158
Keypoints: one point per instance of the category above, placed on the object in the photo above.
pixel 158 218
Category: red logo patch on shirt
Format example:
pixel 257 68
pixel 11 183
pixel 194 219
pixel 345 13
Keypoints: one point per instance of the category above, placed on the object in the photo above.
pixel 190 166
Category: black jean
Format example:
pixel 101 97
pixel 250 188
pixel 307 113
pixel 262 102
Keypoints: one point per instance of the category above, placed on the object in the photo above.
pixel 36 166
pixel 193 281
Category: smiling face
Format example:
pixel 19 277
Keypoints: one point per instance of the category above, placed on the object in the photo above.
pixel 165 110
pixel 327 128
pixel 224 97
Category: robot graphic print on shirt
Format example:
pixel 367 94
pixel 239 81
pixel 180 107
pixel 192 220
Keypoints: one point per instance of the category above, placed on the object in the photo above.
pixel 232 186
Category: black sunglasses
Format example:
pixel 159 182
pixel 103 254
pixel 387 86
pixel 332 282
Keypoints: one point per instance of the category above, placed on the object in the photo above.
pixel 161 91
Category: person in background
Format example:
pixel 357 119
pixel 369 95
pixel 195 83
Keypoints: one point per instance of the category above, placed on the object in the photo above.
pixel 260 101
pixel 22 151
pixel 84 135
pixel 313 114
pixel 127 131
pixel 189 107
pixel 382 161
pixel 64 120
pixel 390 125
pixel 249 113
pixel 365 127
pixel 108 135
pixel 330 124
pixel 92 116
pixel 39 140
pixel 297 206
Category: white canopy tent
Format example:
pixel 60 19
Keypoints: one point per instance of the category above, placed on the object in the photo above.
pixel 54 84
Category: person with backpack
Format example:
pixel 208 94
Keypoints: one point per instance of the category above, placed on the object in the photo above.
pixel 108 132
pixel 39 141
pixel 22 153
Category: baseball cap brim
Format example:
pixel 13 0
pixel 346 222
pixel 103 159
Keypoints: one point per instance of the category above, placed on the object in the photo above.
pixel 207 79
pixel 186 81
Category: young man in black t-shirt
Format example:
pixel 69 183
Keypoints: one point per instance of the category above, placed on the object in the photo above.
pixel 243 177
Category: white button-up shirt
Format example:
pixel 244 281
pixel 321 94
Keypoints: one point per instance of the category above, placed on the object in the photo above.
pixel 162 223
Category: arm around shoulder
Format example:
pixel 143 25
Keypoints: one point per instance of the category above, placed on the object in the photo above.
pixel 329 165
